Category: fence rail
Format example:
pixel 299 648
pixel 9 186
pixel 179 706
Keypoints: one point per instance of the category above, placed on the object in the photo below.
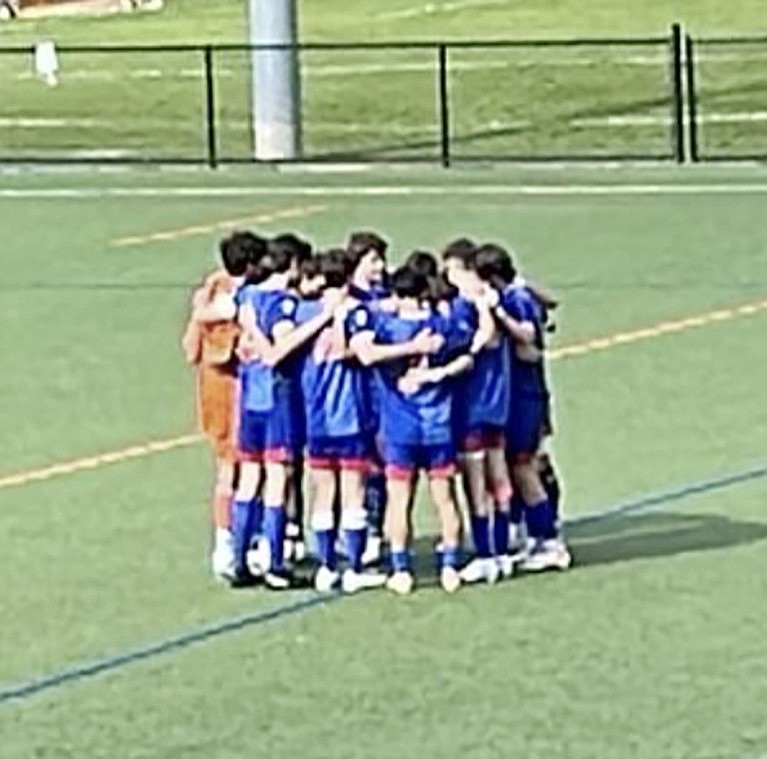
pixel 667 98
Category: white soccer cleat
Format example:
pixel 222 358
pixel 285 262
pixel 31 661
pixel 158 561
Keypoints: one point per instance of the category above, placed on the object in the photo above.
pixel 548 554
pixel 222 559
pixel 480 570
pixel 449 579
pixel 353 582
pixel 299 551
pixel 400 583
pixel 258 558
pixel 373 551
pixel 326 580
pixel 506 564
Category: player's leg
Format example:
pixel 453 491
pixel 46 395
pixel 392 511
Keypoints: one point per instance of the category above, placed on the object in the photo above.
pixel 246 505
pixel 439 461
pixel 400 488
pixel 323 495
pixel 482 567
pixel 222 558
pixel 501 491
pixel 547 551
pixel 354 462
pixel 375 503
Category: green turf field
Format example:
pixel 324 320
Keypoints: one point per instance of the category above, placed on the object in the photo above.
pixel 653 647
pixel 587 101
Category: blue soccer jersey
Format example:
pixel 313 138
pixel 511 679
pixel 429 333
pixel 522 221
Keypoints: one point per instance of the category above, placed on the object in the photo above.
pixel 528 378
pixel 333 389
pixel 528 408
pixel 268 424
pixel 423 417
pixel 482 403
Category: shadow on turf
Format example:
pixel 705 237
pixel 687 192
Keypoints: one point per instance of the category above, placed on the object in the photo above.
pixel 649 536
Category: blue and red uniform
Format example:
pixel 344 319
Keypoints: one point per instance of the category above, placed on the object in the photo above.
pixel 333 389
pixel 529 400
pixel 268 423
pixel 417 429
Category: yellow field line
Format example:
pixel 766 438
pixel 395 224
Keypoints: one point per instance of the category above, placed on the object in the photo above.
pixel 578 349
pixel 294 212
pixel 664 328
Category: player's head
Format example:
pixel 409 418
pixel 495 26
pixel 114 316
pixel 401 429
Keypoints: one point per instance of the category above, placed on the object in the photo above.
pixel 423 262
pixel 366 252
pixel 234 255
pixel 311 281
pixel 459 258
pixel 493 264
pixel 408 284
pixel 334 268
pixel 300 249
pixel 245 251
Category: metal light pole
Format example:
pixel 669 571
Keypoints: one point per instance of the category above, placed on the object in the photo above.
pixel 275 79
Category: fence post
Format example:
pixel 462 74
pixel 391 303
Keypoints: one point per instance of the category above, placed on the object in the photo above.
pixel 692 97
pixel 444 106
pixel 210 108
pixel 677 98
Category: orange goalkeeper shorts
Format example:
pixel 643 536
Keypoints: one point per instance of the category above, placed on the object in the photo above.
pixel 216 402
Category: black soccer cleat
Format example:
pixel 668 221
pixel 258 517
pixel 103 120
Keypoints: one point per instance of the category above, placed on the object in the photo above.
pixel 284 579
pixel 243 579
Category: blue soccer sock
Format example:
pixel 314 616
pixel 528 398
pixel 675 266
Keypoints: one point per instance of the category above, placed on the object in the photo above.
pixel 450 557
pixel 540 521
pixel 354 524
pixel 400 561
pixel 323 524
pixel 258 519
pixel 501 532
pixel 480 532
pixel 375 501
pixel 517 512
pixel 274 531
pixel 242 530
pixel 326 547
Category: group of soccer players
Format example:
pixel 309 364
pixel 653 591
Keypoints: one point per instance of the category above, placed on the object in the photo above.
pixel 329 370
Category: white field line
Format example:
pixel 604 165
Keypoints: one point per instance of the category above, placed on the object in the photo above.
pixel 608 122
pixel 438 7
pixel 522 190
pixel 357 68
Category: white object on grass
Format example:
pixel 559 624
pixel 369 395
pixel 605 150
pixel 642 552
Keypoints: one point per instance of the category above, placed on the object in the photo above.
pixel 47 62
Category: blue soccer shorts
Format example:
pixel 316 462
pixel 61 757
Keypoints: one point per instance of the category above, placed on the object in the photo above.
pixel 404 460
pixel 347 453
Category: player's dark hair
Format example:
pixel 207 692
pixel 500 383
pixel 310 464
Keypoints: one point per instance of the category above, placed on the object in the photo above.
pixel 408 283
pixel 242 253
pixel 310 268
pixel 334 266
pixel 463 249
pixel 494 265
pixel 441 290
pixel 279 256
pixel 423 262
pixel 362 243
pixel 300 249
pixel 234 256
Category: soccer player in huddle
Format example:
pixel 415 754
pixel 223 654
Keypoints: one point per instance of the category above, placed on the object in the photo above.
pixel 480 413
pixel 366 254
pixel 268 428
pixel 518 312
pixel 209 344
pixel 339 440
pixel 416 391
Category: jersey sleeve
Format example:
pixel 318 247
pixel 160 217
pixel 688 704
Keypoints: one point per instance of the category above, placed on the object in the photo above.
pixel 518 306
pixel 359 319
pixel 283 309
